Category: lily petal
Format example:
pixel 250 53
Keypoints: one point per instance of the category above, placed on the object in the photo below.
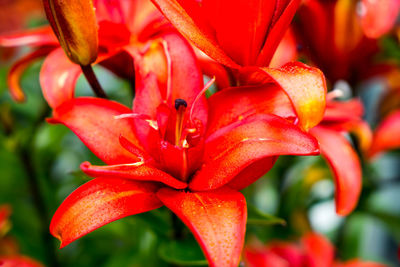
pixel 235 147
pixel 16 71
pixel 343 110
pixel 359 263
pixel 386 135
pixel 318 250
pixel 305 86
pixel 241 27
pixel 99 202
pixel 379 17
pixel 93 121
pixel 236 103
pixel 194 28
pixel 17 260
pixel 136 171
pixel 345 165
pixel 34 37
pixel 276 33
pixel 58 77
pixel 216 218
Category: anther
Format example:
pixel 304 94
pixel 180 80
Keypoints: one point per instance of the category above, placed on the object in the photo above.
pixel 180 102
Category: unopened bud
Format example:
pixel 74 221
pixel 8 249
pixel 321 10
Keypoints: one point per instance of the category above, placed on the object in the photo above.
pixel 74 23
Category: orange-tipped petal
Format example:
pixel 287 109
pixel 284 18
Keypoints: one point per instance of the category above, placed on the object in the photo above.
pixel 217 219
pixel 386 135
pixel 99 202
pixel 319 251
pixel 74 23
pixel 137 171
pixel 359 263
pixel 378 17
pixel 345 165
pixel 235 147
pixel 58 77
pixel 93 121
pixel 16 71
pixel 305 86
pixel 194 28
pixel 33 37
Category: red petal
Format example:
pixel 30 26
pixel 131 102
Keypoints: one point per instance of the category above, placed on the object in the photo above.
pixel 234 147
pixel 241 27
pixel 264 258
pixel 275 34
pixel 343 110
pixel 58 77
pixel 98 202
pixel 378 17
pixel 93 121
pixel 318 250
pixel 305 86
pixel 252 173
pixel 211 68
pixel 345 165
pixel 18 261
pixel 217 219
pixel 236 103
pixel 286 50
pixel 138 172
pixel 386 135
pixel 36 37
pixel 14 75
pixel 359 263
pixel 194 28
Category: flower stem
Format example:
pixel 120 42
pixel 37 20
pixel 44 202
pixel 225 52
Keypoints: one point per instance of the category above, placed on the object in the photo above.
pixel 92 79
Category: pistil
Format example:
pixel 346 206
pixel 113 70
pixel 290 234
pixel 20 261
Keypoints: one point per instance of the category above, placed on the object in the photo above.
pixel 180 106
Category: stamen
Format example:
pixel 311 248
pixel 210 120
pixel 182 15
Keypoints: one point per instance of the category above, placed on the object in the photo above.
pixel 208 85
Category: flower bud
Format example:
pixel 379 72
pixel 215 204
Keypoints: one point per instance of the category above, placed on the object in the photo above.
pixel 74 23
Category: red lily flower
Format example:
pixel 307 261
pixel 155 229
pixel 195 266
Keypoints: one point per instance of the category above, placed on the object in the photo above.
pixel 314 250
pixel 337 43
pixel 172 150
pixel 234 33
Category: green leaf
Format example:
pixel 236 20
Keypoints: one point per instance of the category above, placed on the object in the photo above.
pixel 184 252
pixel 257 217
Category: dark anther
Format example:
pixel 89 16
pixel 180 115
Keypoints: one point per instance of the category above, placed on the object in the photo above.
pixel 180 102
